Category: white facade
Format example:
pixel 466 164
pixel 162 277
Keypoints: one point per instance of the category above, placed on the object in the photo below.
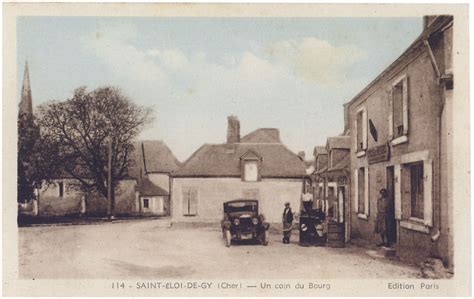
pixel 209 194
pixel 153 205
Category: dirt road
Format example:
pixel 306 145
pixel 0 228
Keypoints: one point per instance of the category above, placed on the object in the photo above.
pixel 141 249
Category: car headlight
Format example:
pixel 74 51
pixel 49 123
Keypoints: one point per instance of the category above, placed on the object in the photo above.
pixel 255 221
pixel 304 227
pixel 236 221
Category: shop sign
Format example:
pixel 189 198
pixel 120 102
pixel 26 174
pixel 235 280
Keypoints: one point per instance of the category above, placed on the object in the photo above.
pixel 378 154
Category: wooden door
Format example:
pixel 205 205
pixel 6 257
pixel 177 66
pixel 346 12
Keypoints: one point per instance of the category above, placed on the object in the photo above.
pixel 391 222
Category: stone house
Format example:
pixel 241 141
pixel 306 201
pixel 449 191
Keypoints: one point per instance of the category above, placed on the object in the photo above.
pixel 336 176
pixel 400 128
pixel 144 192
pixel 256 166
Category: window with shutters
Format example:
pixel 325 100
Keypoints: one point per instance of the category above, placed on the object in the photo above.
pixel 190 202
pixel 361 192
pixel 413 192
pixel 361 131
pixel 397 93
pixel 398 111
pixel 416 190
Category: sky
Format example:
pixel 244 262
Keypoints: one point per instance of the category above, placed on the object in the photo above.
pixel 293 74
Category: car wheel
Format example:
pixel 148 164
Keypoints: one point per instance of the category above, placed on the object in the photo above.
pixel 265 238
pixel 227 237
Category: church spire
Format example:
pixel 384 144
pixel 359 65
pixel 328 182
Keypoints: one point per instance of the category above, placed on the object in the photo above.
pixel 26 103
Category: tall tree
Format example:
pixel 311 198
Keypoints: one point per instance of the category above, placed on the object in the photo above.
pixel 36 160
pixel 82 128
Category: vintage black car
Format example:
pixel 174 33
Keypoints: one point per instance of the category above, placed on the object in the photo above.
pixel 243 222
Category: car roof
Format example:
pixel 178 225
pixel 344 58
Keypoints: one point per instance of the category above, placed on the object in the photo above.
pixel 241 199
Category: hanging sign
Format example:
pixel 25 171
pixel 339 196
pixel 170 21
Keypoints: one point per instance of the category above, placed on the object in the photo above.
pixel 378 154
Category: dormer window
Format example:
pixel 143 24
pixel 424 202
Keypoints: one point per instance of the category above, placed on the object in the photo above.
pixel 251 164
pixel 251 171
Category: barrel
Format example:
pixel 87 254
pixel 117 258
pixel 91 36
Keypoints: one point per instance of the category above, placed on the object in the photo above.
pixel 336 233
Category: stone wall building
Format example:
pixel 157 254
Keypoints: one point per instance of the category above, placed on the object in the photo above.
pixel 332 179
pixel 146 190
pixel 400 128
pixel 337 178
pixel 256 166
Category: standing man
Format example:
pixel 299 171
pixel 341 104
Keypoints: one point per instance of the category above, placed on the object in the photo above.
pixel 287 223
pixel 382 210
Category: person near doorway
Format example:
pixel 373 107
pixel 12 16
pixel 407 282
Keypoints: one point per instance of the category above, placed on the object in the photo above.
pixel 287 223
pixel 307 199
pixel 381 221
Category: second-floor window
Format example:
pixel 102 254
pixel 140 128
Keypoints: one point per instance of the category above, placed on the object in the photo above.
pixel 398 110
pixel 361 125
pixel 397 93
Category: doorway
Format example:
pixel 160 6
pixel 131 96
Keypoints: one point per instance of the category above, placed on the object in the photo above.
pixel 340 204
pixel 391 222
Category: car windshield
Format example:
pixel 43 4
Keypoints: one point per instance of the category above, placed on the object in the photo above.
pixel 241 207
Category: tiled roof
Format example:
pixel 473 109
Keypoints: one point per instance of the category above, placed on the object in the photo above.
pixel 223 160
pixel 263 135
pixel 322 170
pixel 147 188
pixel 158 157
pixel 151 156
pixel 344 163
pixel 322 163
pixel 319 150
pixel 341 142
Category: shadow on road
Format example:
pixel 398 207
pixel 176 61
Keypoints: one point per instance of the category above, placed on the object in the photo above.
pixel 135 270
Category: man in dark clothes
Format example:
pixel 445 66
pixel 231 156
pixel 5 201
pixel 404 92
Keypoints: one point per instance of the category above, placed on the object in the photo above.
pixel 287 223
pixel 381 219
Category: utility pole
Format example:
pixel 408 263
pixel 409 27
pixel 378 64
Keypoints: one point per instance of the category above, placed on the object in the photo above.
pixel 109 180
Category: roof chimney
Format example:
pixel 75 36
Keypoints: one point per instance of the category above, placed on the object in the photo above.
pixel 233 129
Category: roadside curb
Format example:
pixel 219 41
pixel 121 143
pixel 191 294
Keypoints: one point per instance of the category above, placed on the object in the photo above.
pixel 94 222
